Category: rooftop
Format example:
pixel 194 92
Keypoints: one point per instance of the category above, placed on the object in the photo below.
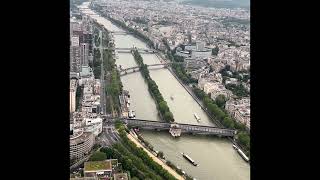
pixel 97 165
pixel 79 137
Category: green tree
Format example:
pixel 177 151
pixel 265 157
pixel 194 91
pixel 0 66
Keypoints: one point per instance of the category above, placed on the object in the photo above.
pixel 221 100
pixel 98 156
pixel 108 151
pixel 117 124
pixel 168 116
pixel 244 139
pixel 215 51
pixel 228 122
pixel 207 100
pixel 163 107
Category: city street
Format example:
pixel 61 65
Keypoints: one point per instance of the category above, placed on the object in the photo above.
pixel 108 136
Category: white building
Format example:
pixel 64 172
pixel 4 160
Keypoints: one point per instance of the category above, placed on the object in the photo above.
pixel 93 125
pixel 97 87
pixel 200 46
pixel 86 71
pixel 81 143
pixel 75 41
pixel 190 48
pixel 183 53
pixel 73 90
pixel 216 89
pixel 76 25
pixel 84 54
pixel 201 54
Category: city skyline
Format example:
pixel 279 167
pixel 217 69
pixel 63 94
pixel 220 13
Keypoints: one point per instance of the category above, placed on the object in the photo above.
pixel 139 67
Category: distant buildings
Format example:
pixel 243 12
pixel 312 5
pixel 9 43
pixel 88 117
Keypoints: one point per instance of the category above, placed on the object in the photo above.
pixel 240 110
pixel 75 55
pixel 185 54
pixel 200 46
pixel 81 43
pixel 195 63
pixel 124 99
pixel 86 71
pixel 214 87
pixel 201 54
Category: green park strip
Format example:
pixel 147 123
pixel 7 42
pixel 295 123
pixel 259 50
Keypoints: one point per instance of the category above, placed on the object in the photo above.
pixel 162 106
pixel 113 83
pixel 135 159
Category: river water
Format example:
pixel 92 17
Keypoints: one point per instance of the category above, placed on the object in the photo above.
pixel 216 158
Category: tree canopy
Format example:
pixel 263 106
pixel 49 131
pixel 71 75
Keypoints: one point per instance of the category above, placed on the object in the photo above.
pixel 98 156
pixel 221 100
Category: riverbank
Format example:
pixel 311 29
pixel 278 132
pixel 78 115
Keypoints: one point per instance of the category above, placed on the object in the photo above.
pixel 216 122
pixel 156 159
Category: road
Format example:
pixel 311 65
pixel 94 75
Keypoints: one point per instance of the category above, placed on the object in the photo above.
pixel 108 136
pixel 102 81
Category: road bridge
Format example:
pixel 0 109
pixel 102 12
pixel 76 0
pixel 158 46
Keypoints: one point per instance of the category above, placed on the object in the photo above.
pixel 129 50
pixel 185 128
pixel 137 68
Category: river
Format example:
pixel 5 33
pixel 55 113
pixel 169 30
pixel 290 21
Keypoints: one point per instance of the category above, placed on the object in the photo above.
pixel 216 158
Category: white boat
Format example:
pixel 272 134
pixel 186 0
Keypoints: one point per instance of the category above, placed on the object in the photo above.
pixel 235 147
pixel 241 153
pixel 197 117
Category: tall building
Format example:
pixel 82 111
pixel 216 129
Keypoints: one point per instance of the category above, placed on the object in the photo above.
pixel 84 54
pixel 75 41
pixel 75 59
pixel 73 90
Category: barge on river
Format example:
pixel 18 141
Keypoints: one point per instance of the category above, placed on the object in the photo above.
pixel 189 159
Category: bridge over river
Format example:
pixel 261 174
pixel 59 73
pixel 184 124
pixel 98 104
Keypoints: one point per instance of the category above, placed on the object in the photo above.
pixel 137 68
pixel 129 50
pixel 184 128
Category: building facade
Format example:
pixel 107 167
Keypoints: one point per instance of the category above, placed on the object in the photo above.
pixel 73 90
pixel 81 143
pixel 84 54
pixel 240 110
